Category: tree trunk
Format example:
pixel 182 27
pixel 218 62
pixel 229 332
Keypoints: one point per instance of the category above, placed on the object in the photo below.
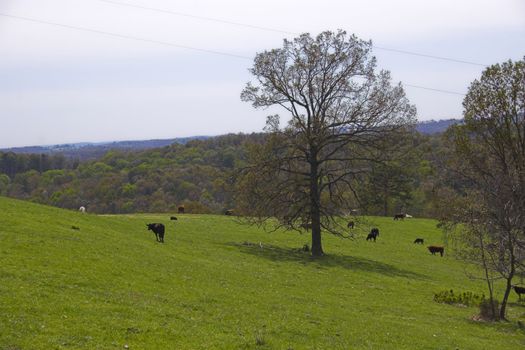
pixel 385 207
pixel 508 287
pixel 315 212
pixel 503 308
pixel 487 276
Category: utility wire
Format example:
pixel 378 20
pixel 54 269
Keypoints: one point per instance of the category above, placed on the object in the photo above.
pixel 124 36
pixel 433 89
pixel 165 43
pixel 211 19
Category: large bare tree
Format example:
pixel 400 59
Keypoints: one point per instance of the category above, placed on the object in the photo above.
pixel 342 115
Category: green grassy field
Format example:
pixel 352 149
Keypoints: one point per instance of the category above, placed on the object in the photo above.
pixel 109 285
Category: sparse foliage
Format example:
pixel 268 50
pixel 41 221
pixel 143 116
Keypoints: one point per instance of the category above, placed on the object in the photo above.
pixel 490 157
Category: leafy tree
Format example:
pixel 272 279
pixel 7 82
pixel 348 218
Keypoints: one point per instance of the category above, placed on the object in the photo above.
pixel 490 156
pixel 342 114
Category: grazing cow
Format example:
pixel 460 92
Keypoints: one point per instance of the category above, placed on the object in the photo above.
pixel 351 224
pixel 436 249
pixel 173 218
pixel 180 209
pixel 419 241
pixel 229 212
pixel 399 216
pixel 519 291
pixel 374 233
pixel 158 230
pixel 82 209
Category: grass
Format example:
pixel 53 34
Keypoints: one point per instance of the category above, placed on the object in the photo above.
pixel 109 285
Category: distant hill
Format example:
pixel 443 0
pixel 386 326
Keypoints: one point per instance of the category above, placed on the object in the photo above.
pixel 89 150
pixel 435 126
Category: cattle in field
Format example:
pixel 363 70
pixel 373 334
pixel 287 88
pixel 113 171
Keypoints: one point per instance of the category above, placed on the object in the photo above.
pixel 180 209
pixel 351 224
pixel 82 209
pixel 158 230
pixel 374 233
pixel 436 249
pixel 519 291
pixel 229 212
pixel 419 241
pixel 399 216
pixel 173 218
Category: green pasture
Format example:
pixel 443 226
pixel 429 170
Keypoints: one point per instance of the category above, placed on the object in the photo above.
pixel 217 284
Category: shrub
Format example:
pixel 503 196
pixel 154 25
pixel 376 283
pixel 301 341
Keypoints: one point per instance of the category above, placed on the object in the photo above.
pixel 465 298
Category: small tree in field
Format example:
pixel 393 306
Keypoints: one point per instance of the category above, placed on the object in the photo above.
pixel 490 156
pixel 343 116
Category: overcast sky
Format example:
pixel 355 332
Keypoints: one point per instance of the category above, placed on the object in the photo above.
pixel 61 85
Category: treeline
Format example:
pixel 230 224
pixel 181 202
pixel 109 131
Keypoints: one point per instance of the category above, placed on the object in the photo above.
pixel 12 163
pixel 157 180
pixel 198 174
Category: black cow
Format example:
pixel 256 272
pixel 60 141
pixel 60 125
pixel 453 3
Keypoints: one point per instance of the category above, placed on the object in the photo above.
pixel 374 233
pixel 436 249
pixel 180 209
pixel 351 224
pixel 399 216
pixel 173 218
pixel 158 230
pixel 419 241
pixel 519 291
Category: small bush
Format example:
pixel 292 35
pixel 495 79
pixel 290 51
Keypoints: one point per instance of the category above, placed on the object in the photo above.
pixel 465 298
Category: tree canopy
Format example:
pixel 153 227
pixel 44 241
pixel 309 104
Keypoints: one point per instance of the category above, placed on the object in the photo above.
pixel 490 157
pixel 342 117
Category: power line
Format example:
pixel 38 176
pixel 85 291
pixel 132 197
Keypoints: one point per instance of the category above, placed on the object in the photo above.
pixel 433 89
pixel 124 36
pixel 211 19
pixel 165 43
pixel 404 52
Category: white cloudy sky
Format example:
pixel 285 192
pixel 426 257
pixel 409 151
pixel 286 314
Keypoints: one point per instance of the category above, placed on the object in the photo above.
pixel 60 85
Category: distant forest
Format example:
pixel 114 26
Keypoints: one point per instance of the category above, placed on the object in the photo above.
pixel 198 175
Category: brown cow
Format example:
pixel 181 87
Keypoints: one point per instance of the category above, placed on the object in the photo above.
pixel 436 249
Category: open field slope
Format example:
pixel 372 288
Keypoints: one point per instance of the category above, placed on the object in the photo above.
pixel 109 285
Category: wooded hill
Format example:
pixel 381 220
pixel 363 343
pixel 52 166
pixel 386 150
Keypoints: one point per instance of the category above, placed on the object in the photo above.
pixel 197 174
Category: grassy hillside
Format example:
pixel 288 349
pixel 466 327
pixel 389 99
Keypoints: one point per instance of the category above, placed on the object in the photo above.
pixel 109 285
